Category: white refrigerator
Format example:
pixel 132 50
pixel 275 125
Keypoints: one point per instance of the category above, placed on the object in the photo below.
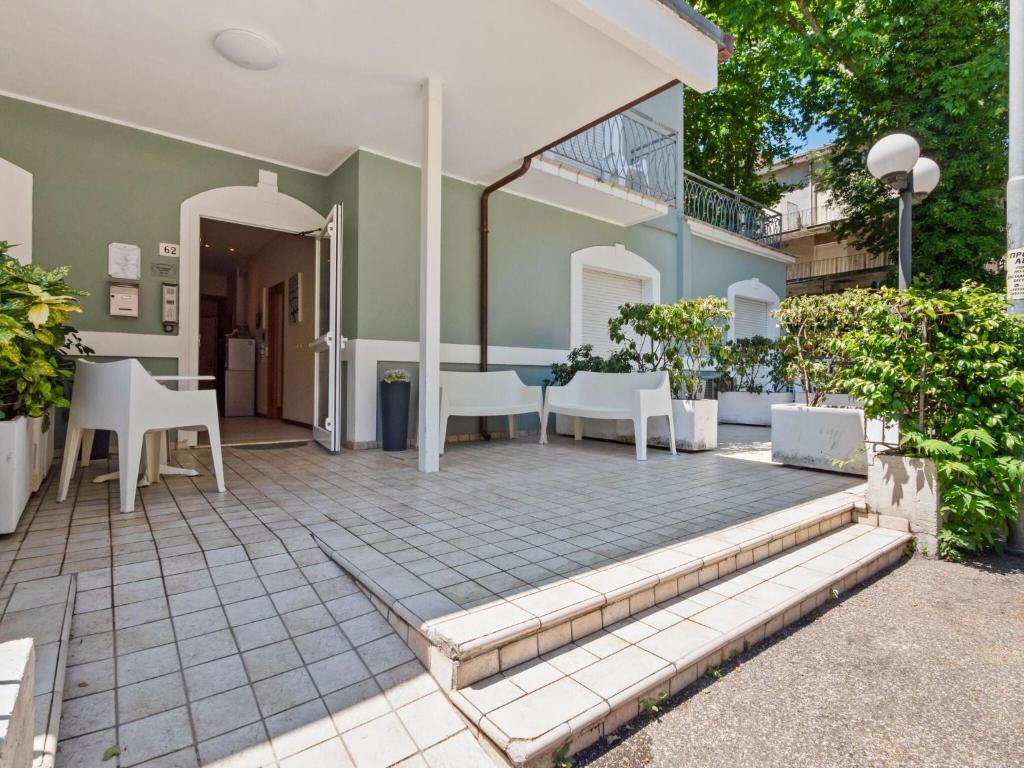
pixel 239 377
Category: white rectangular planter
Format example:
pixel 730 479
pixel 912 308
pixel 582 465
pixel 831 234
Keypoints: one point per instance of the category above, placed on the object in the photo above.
pixel 15 471
pixel 909 489
pixel 696 424
pixel 816 437
pixel 41 449
pixel 750 407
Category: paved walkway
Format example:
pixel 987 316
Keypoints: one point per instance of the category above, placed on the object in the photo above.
pixel 209 629
pixel 923 667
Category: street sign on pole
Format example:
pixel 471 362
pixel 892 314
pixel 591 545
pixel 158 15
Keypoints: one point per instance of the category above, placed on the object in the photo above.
pixel 1015 275
pixel 1015 203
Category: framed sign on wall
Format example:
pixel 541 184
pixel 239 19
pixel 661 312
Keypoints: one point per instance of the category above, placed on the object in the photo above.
pixel 295 298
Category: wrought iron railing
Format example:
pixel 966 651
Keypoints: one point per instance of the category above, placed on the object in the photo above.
pixel 712 203
pixel 627 151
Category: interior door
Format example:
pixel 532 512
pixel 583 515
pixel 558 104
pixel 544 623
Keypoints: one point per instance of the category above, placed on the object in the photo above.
pixel 329 341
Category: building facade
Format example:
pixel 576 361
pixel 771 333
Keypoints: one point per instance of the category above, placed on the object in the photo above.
pixel 822 262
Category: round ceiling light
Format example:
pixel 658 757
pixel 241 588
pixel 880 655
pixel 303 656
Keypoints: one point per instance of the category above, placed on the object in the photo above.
pixel 247 49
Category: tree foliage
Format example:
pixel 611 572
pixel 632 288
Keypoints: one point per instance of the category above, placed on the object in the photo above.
pixel 748 364
pixel 582 358
pixel 811 325
pixel 747 123
pixel 948 367
pixel 680 338
pixel 934 69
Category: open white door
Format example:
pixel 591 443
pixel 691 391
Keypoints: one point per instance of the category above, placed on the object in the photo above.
pixel 329 341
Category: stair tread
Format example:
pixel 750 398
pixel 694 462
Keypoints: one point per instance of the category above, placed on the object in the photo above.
pixel 462 633
pixel 539 704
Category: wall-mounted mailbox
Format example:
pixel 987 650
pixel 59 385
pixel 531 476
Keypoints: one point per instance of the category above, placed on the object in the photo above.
pixel 124 300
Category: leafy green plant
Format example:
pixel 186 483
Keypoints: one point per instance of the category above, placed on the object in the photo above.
pixel 680 338
pixel 812 325
pixel 562 758
pixel 35 305
pixel 652 706
pixel 747 364
pixel 583 359
pixel 948 367
pixel 395 375
pixel 715 673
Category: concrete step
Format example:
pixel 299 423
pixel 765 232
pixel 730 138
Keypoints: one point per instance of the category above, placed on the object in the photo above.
pixel 461 646
pixel 577 693
pixel 41 610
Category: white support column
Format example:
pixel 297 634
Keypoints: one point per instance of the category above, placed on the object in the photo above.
pixel 430 279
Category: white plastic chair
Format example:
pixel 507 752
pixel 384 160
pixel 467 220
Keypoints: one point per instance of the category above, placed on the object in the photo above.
pixel 633 396
pixel 123 397
pixel 486 393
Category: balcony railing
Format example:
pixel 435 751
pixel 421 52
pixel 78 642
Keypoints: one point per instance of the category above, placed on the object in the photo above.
pixel 640 155
pixel 794 219
pixel 835 265
pixel 714 204
pixel 626 151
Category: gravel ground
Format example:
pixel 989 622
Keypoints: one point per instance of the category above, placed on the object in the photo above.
pixel 924 666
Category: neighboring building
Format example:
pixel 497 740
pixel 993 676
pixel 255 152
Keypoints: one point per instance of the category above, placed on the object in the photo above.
pixel 592 223
pixel 824 264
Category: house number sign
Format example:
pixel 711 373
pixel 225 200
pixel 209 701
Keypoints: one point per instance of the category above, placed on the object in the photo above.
pixel 1015 275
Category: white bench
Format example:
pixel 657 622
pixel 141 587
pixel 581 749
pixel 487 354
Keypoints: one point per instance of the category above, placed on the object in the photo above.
pixel 633 396
pixel 486 393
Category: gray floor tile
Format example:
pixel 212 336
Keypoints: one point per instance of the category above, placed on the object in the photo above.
pixel 215 677
pixel 150 697
pixel 224 712
pixel 154 736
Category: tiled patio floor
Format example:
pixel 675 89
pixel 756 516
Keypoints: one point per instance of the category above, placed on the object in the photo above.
pixel 209 628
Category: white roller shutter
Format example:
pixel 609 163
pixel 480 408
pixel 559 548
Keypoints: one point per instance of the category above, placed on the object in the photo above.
pixel 751 318
pixel 603 294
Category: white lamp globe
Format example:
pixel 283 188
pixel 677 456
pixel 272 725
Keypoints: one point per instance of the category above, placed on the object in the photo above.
pixel 249 50
pixel 892 158
pixel 926 177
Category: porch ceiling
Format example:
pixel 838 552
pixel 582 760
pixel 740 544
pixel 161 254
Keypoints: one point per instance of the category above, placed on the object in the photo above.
pixel 516 75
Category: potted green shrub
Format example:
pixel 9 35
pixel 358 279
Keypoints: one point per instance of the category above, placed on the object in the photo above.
pixel 947 366
pixel 681 338
pixel 35 305
pixel 395 386
pixel 750 380
pixel 827 429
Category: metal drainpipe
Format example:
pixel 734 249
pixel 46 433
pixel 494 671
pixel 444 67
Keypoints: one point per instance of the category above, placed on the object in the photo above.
pixel 485 217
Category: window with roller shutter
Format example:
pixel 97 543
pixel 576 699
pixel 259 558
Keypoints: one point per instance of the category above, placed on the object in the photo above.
pixel 751 318
pixel 603 294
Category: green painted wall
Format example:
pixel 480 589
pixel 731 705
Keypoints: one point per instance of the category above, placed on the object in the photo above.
pixel 717 266
pixel 96 183
pixel 529 269
pixel 343 188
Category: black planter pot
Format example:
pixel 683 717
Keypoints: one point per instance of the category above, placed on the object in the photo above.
pixel 394 411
